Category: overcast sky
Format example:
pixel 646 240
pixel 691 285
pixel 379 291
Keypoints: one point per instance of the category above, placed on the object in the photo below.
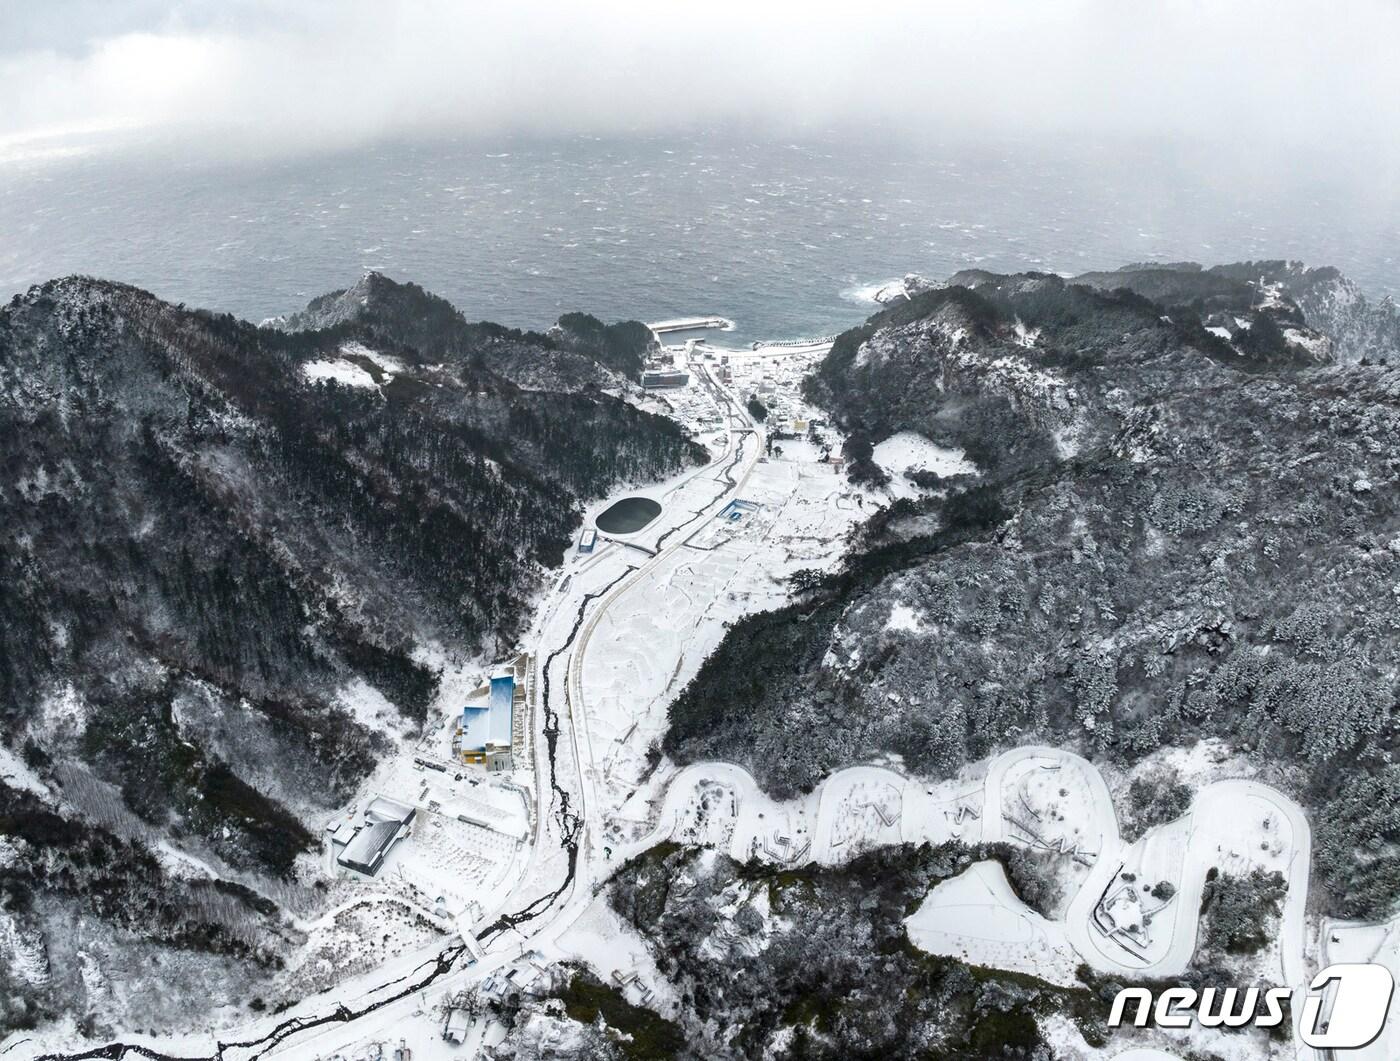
pixel 1284 75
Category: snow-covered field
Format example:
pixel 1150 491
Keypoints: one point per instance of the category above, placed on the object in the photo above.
pixel 357 366
pixel 1054 802
pixel 977 918
pixel 909 451
pixel 655 634
pixel 338 371
pixel 17 773
pixel 617 955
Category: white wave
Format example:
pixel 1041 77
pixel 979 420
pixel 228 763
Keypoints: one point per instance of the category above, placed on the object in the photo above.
pixel 874 294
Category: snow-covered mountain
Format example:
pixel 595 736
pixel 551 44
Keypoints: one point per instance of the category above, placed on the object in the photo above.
pixel 1182 545
pixel 1173 534
pixel 1351 325
pixel 218 540
pixel 579 351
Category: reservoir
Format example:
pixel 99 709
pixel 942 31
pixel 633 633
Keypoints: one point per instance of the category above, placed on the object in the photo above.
pixel 628 515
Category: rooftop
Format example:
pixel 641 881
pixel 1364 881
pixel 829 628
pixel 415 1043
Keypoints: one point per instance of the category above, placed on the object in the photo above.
pixel 489 721
pixel 366 852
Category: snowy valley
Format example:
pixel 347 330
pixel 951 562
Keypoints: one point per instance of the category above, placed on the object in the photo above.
pixel 869 704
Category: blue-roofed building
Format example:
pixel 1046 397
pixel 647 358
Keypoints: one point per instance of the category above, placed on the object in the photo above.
pixel 500 706
pixel 485 734
pixel 476 726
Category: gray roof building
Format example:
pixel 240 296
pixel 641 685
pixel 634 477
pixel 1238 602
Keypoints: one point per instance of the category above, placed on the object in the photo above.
pixel 385 821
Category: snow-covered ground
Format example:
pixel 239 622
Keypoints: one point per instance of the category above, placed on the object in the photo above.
pixel 1052 801
pixel 1046 799
pixel 615 952
pixel 17 774
pixel 357 366
pixel 977 918
pixel 909 451
pixel 338 371
pixel 853 810
pixel 512 865
pixel 656 632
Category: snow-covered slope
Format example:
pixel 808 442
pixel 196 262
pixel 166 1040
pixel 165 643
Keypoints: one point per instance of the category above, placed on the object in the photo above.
pixel 211 531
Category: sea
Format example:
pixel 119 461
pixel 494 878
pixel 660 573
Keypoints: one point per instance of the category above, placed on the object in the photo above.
pixel 787 237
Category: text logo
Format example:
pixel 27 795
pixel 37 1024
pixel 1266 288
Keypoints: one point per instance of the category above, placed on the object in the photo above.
pixel 1345 1007
pixel 1359 1004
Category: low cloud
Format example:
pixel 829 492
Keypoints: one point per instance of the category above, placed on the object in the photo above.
pixel 1287 75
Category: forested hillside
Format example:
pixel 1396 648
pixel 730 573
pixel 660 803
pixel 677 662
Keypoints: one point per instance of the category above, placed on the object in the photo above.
pixel 211 531
pixel 580 350
pixel 803 962
pixel 1180 529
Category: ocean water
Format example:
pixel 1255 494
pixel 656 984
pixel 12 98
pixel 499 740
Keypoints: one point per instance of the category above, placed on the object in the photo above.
pixel 786 239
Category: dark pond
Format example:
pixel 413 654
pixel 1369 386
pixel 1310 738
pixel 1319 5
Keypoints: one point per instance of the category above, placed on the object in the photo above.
pixel 628 515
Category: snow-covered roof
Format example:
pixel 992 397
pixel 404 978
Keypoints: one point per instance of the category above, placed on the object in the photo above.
pixel 489 722
pixel 366 852
pixel 502 695
pixel 384 809
pixel 457 1025
pixel 476 726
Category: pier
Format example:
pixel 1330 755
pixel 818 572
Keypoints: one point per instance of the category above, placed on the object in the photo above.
pixel 690 324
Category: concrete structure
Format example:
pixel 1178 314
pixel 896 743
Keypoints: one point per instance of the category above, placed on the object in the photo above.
pixel 587 539
pixel 691 324
pixel 665 379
